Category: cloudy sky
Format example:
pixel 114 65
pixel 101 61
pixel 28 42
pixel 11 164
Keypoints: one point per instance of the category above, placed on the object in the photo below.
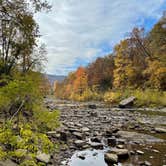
pixel 78 31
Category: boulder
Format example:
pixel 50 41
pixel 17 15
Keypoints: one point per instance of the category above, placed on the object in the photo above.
pixel 127 102
pixel 7 162
pixel 110 158
pixel 43 157
pixel 111 141
pixel 121 153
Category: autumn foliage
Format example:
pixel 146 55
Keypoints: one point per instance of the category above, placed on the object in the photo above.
pixel 137 62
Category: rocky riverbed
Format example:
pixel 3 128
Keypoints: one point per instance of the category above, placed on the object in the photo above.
pixel 95 134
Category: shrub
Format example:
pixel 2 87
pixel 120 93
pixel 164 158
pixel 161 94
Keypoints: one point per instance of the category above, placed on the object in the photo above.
pixel 45 120
pixel 112 97
pixel 2 154
pixel 22 143
pixel 150 97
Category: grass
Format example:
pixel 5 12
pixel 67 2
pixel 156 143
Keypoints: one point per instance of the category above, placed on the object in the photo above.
pixel 144 98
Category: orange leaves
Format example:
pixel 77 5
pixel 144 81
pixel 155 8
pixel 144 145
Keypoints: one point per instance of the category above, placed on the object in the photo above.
pixel 80 83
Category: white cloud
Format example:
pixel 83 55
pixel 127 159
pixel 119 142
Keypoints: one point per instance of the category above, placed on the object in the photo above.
pixel 75 29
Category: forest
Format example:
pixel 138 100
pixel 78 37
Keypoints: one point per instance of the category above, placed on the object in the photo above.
pixel 136 67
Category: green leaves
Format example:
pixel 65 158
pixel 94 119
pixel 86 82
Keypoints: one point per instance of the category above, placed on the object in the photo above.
pixel 19 32
pixel 24 143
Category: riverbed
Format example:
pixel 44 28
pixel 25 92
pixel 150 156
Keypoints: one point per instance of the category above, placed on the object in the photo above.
pixel 87 130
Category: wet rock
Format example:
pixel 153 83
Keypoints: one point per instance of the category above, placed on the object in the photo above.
pixel 108 133
pixel 63 136
pixel 95 154
pixel 110 158
pixel 82 156
pixel 160 130
pixel 111 132
pixel 111 141
pixel 127 102
pixel 43 157
pixel 79 143
pixel 78 135
pixel 85 146
pixel 120 141
pixel 73 129
pixel 121 153
pixel 96 145
pixel 96 139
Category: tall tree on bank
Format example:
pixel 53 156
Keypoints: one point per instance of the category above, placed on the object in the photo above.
pixel 100 72
pixel 156 71
pixel 18 33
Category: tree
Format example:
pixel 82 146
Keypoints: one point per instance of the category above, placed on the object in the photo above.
pixel 18 32
pixel 100 72
pixel 80 83
pixel 156 70
pixel 121 62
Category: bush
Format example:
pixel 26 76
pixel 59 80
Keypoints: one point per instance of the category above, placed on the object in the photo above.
pixel 44 119
pixel 2 154
pixel 25 120
pixel 23 143
pixel 112 97
pixel 87 95
pixel 150 98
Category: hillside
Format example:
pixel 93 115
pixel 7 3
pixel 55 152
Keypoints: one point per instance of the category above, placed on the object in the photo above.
pixel 53 78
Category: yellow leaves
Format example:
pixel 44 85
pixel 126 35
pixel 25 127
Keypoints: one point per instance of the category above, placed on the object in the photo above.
pixel 157 74
pixel 112 97
pixel 87 95
pixel 150 97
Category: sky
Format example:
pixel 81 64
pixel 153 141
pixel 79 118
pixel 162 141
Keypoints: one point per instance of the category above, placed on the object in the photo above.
pixel 76 32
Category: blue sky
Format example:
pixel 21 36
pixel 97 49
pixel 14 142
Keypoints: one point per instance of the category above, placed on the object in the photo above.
pixel 76 31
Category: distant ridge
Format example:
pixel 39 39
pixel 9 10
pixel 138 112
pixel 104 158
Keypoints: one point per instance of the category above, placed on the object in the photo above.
pixel 53 78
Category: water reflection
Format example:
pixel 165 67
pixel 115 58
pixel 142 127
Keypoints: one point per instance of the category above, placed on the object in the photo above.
pixel 92 158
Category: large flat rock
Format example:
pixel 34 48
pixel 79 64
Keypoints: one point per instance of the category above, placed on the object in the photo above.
pixel 127 102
